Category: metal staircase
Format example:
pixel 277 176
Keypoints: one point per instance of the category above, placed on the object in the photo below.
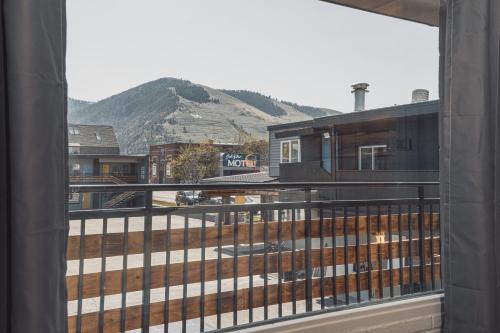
pixel 115 200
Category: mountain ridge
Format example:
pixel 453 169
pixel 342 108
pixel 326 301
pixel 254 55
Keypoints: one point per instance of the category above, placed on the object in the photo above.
pixel 169 109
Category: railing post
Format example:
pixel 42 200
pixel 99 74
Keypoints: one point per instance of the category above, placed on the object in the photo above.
pixel 307 194
pixel 146 286
pixel 421 235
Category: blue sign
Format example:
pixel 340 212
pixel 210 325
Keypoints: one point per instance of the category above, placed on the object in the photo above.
pixel 243 161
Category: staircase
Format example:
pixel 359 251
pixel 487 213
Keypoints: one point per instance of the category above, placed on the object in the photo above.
pixel 108 179
pixel 120 198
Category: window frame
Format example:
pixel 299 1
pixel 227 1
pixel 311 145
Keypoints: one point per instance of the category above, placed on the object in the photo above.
pixel 372 147
pixel 154 169
pixel 325 138
pixel 299 157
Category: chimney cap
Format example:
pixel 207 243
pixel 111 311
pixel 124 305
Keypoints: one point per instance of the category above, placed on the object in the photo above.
pixel 360 86
pixel 419 95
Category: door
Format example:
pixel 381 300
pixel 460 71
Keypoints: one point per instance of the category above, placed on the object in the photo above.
pixel 105 169
pixel 87 201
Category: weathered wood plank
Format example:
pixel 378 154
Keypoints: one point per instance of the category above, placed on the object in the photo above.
pixel 133 320
pixel 113 279
pixel 114 242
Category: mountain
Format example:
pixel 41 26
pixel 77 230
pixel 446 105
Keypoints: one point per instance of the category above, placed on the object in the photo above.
pixel 75 105
pixel 169 110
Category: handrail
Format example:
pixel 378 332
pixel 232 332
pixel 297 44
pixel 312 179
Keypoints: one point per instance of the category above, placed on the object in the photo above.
pixel 276 254
pixel 234 186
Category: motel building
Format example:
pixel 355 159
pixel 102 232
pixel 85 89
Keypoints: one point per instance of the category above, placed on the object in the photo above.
pixel 94 158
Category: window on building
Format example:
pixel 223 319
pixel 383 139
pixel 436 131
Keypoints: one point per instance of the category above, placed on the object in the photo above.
pixel 74 197
pixel 372 157
pixel 98 137
pixel 168 169
pixel 74 150
pixel 326 152
pixel 125 169
pixel 76 166
pixel 290 151
pixel 153 169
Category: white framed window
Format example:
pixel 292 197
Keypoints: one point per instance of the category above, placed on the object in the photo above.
pixel 73 149
pixel 74 196
pixel 372 157
pixel 168 169
pixel 153 170
pixel 290 151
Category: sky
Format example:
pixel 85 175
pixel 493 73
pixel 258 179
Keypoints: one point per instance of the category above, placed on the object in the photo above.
pixel 305 51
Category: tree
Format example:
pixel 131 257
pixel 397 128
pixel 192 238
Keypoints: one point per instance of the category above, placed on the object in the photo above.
pixel 195 162
pixel 257 146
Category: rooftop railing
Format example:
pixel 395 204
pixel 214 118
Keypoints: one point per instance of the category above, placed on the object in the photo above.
pixel 228 266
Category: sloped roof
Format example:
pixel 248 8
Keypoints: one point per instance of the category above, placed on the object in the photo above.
pixel 87 136
pixel 256 177
pixel 420 11
pixel 396 111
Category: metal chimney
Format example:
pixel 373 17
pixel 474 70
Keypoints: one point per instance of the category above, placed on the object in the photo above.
pixel 420 95
pixel 359 90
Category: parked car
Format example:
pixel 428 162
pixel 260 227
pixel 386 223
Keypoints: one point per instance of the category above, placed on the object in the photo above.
pixel 187 197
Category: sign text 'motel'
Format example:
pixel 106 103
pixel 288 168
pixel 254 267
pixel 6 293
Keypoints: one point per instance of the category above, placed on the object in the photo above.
pixel 235 160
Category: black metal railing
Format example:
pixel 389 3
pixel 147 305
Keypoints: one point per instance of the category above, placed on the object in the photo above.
pixel 142 267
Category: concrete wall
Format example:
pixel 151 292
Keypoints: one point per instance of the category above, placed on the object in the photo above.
pixel 418 315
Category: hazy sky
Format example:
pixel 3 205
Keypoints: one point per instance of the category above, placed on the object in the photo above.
pixel 304 51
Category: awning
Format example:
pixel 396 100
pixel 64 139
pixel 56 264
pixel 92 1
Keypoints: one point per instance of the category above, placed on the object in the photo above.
pixel 421 11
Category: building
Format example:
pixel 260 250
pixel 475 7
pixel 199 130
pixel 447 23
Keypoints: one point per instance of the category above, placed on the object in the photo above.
pixel 94 158
pixel 392 144
pixel 232 161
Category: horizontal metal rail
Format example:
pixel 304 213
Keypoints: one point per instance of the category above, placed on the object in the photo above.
pixel 242 186
pixel 304 257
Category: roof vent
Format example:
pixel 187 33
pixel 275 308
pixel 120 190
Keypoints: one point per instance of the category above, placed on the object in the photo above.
pixel 359 90
pixel 420 95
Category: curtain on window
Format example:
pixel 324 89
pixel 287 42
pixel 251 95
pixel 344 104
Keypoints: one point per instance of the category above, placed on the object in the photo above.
pixel 33 225
pixel 470 165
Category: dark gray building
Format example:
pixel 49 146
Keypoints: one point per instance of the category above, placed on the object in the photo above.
pixel 397 143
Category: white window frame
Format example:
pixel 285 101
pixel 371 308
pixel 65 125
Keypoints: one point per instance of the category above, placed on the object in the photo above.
pixel 153 169
pixel 289 151
pixel 372 147
pixel 74 197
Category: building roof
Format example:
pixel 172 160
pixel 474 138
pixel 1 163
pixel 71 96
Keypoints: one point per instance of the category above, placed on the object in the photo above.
pixel 294 125
pixel 108 156
pixel 195 143
pixel 391 112
pixel 92 136
pixel 420 11
pixel 256 177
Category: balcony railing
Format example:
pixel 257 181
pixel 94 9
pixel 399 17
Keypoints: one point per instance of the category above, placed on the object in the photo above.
pixel 176 269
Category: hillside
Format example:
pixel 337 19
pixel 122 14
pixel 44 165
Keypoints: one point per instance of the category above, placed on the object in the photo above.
pixel 169 110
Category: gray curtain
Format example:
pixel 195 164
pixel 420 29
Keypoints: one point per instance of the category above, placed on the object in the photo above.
pixel 470 165
pixel 33 224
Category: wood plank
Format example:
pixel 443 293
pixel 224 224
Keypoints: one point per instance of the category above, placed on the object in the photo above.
pixel 113 279
pixel 133 313
pixel 114 242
